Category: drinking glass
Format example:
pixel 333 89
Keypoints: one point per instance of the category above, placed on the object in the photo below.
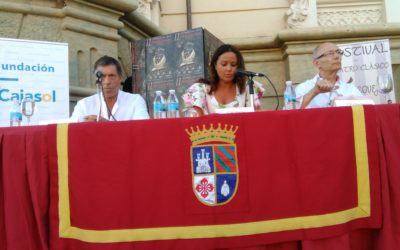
pixel 385 85
pixel 191 112
pixel 28 108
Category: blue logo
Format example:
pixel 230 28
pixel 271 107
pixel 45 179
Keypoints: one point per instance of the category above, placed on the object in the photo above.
pixel 7 95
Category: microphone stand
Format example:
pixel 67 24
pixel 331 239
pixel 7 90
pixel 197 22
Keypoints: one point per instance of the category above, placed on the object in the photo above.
pixel 99 92
pixel 250 82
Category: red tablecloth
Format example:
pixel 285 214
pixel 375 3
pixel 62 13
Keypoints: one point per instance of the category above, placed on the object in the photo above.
pixel 297 184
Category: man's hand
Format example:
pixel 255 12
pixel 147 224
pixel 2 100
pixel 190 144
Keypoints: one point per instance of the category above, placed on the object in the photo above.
pixel 323 86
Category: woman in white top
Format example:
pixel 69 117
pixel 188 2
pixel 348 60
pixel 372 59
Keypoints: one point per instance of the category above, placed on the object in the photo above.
pixel 224 88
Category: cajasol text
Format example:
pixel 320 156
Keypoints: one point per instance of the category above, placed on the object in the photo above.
pixel 6 95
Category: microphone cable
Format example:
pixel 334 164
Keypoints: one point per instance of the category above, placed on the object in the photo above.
pixel 276 92
pixel 251 74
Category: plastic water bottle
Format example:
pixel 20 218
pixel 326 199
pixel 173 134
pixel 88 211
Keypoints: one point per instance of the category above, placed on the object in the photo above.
pixel 172 104
pixel 15 114
pixel 289 96
pixel 159 106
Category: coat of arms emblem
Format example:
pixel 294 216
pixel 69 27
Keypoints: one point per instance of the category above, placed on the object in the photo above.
pixel 214 167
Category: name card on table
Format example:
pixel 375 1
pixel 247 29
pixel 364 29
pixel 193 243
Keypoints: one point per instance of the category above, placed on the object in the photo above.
pixel 234 110
pixel 342 101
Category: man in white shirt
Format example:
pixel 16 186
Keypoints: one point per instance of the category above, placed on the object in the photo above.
pixel 326 85
pixel 115 104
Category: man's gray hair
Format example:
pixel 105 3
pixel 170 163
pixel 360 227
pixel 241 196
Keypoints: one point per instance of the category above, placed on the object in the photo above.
pixel 315 51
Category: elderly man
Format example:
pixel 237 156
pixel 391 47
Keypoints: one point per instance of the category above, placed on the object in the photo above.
pixel 115 104
pixel 326 85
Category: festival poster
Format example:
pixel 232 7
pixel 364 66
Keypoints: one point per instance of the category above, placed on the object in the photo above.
pixel 368 66
pixel 35 69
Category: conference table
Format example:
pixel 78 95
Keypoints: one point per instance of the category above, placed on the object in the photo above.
pixel 296 179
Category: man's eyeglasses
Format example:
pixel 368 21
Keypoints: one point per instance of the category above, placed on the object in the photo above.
pixel 331 53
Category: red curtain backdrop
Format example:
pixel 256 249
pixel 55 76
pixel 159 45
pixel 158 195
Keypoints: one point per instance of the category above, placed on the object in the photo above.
pixel 137 175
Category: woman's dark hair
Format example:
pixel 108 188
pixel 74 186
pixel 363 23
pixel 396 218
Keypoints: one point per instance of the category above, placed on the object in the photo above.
pixel 213 78
pixel 108 60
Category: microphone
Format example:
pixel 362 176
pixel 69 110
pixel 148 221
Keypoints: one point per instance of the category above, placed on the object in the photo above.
pixel 248 73
pixel 98 73
pixel 99 90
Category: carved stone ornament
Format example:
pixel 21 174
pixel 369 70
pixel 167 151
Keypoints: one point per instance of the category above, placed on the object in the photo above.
pixel 349 17
pixel 144 8
pixel 297 13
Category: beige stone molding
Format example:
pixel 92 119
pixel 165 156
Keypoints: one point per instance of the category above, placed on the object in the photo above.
pixel 319 2
pixel 31 9
pixel 253 42
pixel 354 31
pixel 145 24
pixel 92 32
pixel 131 33
pixel 147 28
pixel 93 18
pixel 315 33
pixel 298 50
pixel 256 56
pixel 120 5
pixel 60 13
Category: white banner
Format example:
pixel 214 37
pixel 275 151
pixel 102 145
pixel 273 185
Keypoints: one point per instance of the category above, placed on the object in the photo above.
pixel 38 70
pixel 369 67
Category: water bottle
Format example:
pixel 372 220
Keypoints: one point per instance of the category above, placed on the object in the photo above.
pixel 159 106
pixel 172 104
pixel 15 114
pixel 289 96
